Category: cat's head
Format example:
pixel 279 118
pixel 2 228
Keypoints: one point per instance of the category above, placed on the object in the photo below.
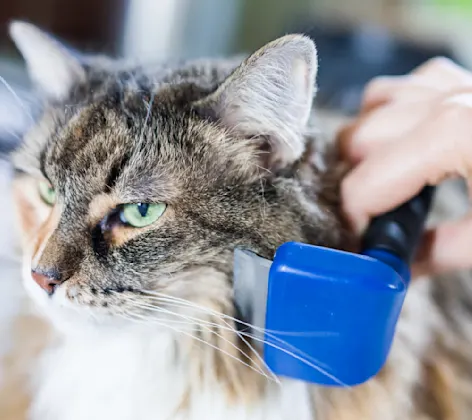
pixel 135 185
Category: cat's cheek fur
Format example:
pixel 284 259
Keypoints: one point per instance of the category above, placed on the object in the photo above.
pixel 31 212
pixel 33 216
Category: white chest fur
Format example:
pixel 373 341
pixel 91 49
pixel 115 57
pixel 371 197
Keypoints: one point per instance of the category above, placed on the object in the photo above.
pixel 134 376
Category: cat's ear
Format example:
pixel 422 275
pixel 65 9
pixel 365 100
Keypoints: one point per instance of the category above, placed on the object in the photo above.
pixel 51 66
pixel 270 96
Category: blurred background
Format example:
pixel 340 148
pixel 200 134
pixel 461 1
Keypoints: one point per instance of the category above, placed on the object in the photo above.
pixel 356 39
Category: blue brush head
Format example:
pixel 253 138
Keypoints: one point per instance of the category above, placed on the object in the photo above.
pixel 331 315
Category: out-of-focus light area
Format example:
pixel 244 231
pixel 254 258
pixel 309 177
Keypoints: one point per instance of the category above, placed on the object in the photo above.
pixel 356 39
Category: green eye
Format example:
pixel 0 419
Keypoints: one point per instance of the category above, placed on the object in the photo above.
pixel 47 193
pixel 141 214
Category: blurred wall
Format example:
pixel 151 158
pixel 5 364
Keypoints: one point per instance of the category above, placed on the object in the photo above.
pixel 180 28
pixel 263 20
pixel 190 28
pixel 87 24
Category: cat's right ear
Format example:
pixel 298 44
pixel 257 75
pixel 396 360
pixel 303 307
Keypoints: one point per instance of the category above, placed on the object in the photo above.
pixel 268 98
pixel 51 66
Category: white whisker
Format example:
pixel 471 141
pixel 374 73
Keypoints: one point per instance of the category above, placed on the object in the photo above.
pixel 11 133
pixel 197 339
pixel 204 324
pixel 259 357
pixel 300 356
pixel 17 98
pixel 148 114
pixel 173 300
pixel 304 358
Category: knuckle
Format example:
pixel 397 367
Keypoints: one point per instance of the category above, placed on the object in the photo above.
pixel 457 109
pixel 375 84
pixel 438 63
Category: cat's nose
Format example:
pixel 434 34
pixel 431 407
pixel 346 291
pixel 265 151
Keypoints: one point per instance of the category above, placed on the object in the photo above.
pixel 46 280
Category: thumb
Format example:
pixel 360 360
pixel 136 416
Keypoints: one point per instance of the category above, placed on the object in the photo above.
pixel 445 248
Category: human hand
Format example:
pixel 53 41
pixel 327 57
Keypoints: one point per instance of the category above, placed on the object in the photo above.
pixel 412 131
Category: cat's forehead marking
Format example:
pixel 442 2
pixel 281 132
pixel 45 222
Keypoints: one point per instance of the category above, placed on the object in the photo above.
pixel 87 150
pixel 101 150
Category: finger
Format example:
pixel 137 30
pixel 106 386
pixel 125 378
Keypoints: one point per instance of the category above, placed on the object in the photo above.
pixel 383 90
pixel 396 172
pixel 442 71
pixel 377 96
pixel 445 248
pixel 379 91
pixel 374 130
pixel 436 75
pixel 440 147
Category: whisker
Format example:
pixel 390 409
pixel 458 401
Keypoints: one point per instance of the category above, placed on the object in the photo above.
pixel 314 365
pixel 202 341
pixel 259 357
pixel 175 300
pixel 11 133
pixel 148 114
pixel 304 358
pixel 204 324
pixel 17 98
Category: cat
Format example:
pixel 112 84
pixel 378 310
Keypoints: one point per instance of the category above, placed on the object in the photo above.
pixel 132 190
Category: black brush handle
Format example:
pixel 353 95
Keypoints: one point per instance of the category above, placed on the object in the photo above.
pixel 399 231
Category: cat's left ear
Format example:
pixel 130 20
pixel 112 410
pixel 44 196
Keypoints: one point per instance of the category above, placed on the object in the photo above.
pixel 269 96
pixel 51 66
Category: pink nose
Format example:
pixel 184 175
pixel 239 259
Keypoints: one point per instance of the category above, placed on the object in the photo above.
pixel 47 283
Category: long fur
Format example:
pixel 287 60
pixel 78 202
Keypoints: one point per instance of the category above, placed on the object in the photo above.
pixel 143 325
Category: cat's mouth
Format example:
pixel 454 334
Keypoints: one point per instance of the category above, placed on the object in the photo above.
pixel 71 310
pixel 179 304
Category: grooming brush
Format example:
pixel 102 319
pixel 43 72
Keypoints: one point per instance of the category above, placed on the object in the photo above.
pixel 327 316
